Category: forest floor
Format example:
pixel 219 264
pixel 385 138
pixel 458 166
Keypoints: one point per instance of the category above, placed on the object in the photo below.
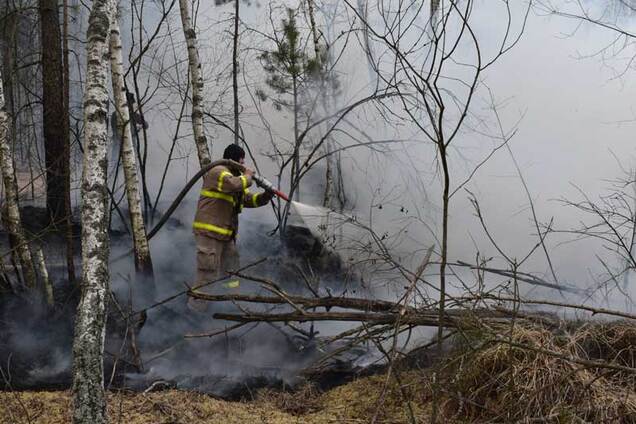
pixel 571 373
pixel 354 402
pixel 535 369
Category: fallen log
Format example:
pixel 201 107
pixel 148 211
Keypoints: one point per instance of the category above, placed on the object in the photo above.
pixel 372 308
pixel 308 302
pixel 430 320
pixel 420 318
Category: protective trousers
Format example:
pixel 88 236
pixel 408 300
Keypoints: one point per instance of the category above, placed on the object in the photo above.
pixel 214 258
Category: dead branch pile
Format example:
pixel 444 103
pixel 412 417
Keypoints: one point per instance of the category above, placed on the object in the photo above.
pixel 507 363
pixel 533 373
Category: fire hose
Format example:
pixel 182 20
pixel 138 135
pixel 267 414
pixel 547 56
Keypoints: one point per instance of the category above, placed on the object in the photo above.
pixel 260 181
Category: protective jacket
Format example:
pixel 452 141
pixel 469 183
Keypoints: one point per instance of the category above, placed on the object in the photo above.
pixel 222 198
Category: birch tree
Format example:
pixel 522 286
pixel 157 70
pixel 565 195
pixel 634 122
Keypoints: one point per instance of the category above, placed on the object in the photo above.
pixel 143 261
pixel 196 80
pixel 89 404
pixel 235 70
pixel 12 217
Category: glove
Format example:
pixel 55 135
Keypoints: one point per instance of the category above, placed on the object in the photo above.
pixel 267 196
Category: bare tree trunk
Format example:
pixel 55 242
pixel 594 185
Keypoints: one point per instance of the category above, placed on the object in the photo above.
pixel 363 10
pixel 47 287
pixel 295 180
pixel 314 31
pixel 55 153
pixel 70 264
pixel 197 85
pixel 13 222
pixel 326 200
pixel 89 403
pixel 235 70
pixel 143 261
pixel 444 253
pixel 434 9
pixel 326 197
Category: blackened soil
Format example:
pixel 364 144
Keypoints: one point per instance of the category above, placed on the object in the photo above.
pixel 36 340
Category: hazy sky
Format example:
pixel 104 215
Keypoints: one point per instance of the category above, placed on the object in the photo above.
pixel 575 114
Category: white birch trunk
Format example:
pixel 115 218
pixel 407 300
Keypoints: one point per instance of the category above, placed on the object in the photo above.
pixel 47 287
pixel 314 30
pixel 89 403
pixel 196 78
pixel 235 70
pixel 13 222
pixel 143 262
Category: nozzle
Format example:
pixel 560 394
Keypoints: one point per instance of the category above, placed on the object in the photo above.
pixel 281 195
pixel 267 185
pixel 263 182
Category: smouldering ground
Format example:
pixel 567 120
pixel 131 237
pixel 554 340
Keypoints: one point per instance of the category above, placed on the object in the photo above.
pixel 568 373
pixel 351 403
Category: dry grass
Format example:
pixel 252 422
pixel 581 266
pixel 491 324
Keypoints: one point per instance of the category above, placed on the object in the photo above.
pixel 359 399
pixel 490 382
pixel 508 383
pixel 171 406
pixel 353 403
pixel 302 401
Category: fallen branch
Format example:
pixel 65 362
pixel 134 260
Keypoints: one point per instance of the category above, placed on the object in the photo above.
pixel 591 309
pixel 215 333
pixel 429 318
pixel 308 302
pixel 520 276
pixel 374 318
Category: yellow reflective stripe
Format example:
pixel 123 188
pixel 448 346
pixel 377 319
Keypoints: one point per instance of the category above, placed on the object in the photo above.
pixel 232 284
pixel 217 195
pixel 254 200
pixel 244 180
pixel 222 175
pixel 213 228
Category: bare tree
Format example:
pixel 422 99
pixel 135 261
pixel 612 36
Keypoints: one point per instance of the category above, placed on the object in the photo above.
pixel 610 220
pixel 12 215
pixel 314 30
pixel 89 403
pixel 196 80
pixel 615 211
pixel 334 194
pixel 235 69
pixel 436 106
pixel 146 59
pixel 416 65
pixel 143 261
pixel 613 17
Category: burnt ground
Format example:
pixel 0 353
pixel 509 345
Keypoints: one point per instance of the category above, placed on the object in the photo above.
pixel 36 340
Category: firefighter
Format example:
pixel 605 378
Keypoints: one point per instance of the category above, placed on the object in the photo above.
pixel 224 193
